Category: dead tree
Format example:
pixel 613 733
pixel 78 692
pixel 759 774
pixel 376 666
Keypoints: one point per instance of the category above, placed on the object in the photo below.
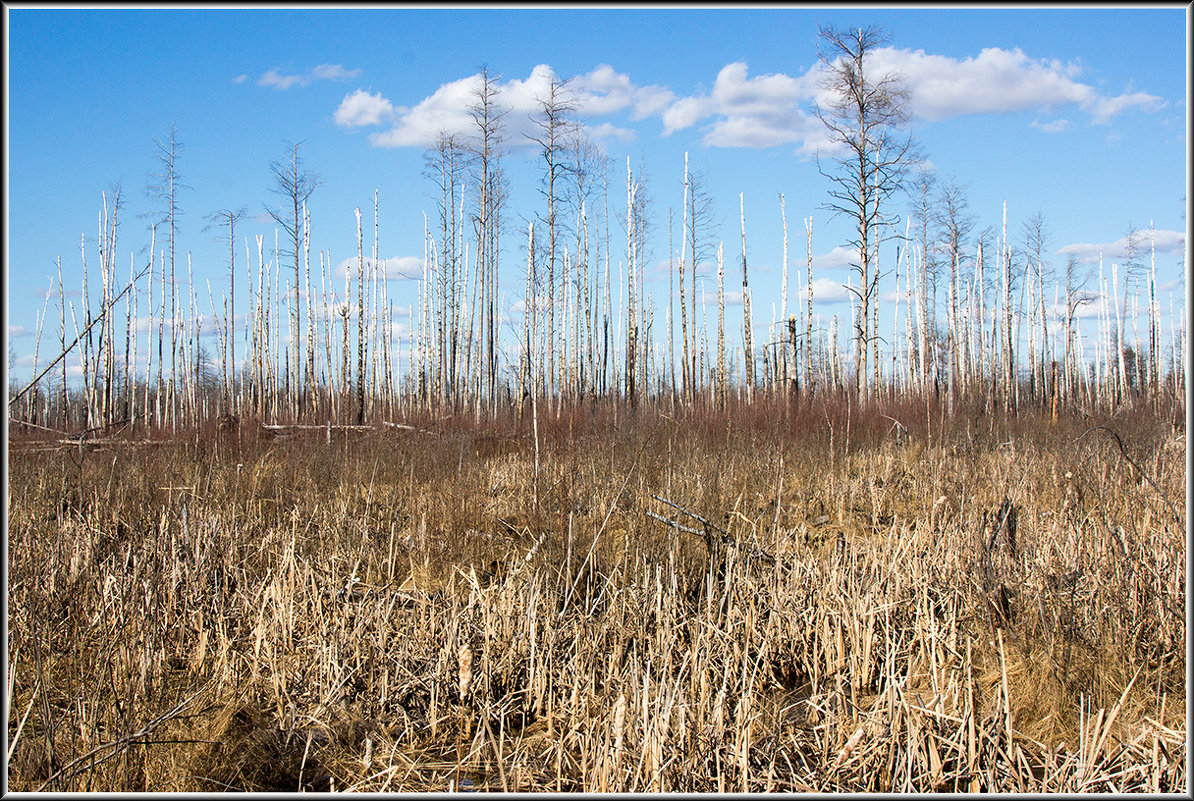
pixel 862 120
pixel 294 183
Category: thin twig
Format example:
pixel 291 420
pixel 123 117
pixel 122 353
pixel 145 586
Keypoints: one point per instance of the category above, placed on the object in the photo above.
pixel 1139 469
pixel 116 745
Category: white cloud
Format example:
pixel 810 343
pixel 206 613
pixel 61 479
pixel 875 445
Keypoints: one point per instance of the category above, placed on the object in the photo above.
pixel 758 112
pixel 333 72
pixel 741 110
pixel 240 78
pixel 1088 253
pixel 999 81
pixel 840 258
pixel 1104 108
pixel 826 290
pixel 444 111
pixel 607 130
pixel 1055 126
pixel 601 92
pixel 18 331
pixel 362 108
pixel 324 72
pixel 399 268
pixel 765 110
pixel 605 91
pixel 276 80
pixel 684 113
pixel 732 298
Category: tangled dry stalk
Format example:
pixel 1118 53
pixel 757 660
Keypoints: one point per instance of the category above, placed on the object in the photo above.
pixel 985 606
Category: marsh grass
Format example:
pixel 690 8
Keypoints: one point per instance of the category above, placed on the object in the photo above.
pixel 962 604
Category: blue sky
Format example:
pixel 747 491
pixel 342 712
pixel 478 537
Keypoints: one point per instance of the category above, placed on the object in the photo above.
pixel 1077 113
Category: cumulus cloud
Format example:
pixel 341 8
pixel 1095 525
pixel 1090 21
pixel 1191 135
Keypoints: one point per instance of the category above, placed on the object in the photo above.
pixel 1089 252
pixel 826 290
pixel 840 258
pixel 768 110
pixel 757 112
pixel 363 108
pixel 446 111
pixel 684 113
pixel 741 110
pixel 18 331
pixel 999 81
pixel 607 131
pixel 324 72
pixel 601 92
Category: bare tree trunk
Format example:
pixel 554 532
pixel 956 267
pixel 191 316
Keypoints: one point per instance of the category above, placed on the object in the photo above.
pixel 671 333
pixel 1009 361
pixel 631 322
pixel 130 349
pixel 895 322
pixel 85 354
pixel 1121 385
pixel 685 355
pixel 808 321
pixel 782 352
pixel 747 322
pixel 721 333
pixel 360 324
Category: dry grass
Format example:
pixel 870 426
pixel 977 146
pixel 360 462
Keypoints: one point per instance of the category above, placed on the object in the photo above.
pixel 961 605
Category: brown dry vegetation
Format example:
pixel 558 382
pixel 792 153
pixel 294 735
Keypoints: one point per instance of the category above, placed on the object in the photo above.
pixel 967 604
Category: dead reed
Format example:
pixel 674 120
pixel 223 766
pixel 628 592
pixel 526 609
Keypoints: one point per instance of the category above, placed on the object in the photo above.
pixel 968 604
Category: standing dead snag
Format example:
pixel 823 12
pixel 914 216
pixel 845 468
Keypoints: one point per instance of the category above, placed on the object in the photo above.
pixel 860 119
pixel 295 184
pixel 747 323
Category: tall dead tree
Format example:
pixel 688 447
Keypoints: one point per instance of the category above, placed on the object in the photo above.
pixel 747 323
pixel 808 318
pixel 360 323
pixel 585 163
pixel 487 117
pixel 294 183
pixel 445 164
pixel 631 319
pixel 924 214
pixel 640 219
pixel 1036 242
pixel 782 367
pixel 229 218
pixel 701 236
pixel 1135 274
pixel 862 117
pixel 685 359
pixel 553 119
pixel 721 385
pixel 955 224
pixel 166 192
